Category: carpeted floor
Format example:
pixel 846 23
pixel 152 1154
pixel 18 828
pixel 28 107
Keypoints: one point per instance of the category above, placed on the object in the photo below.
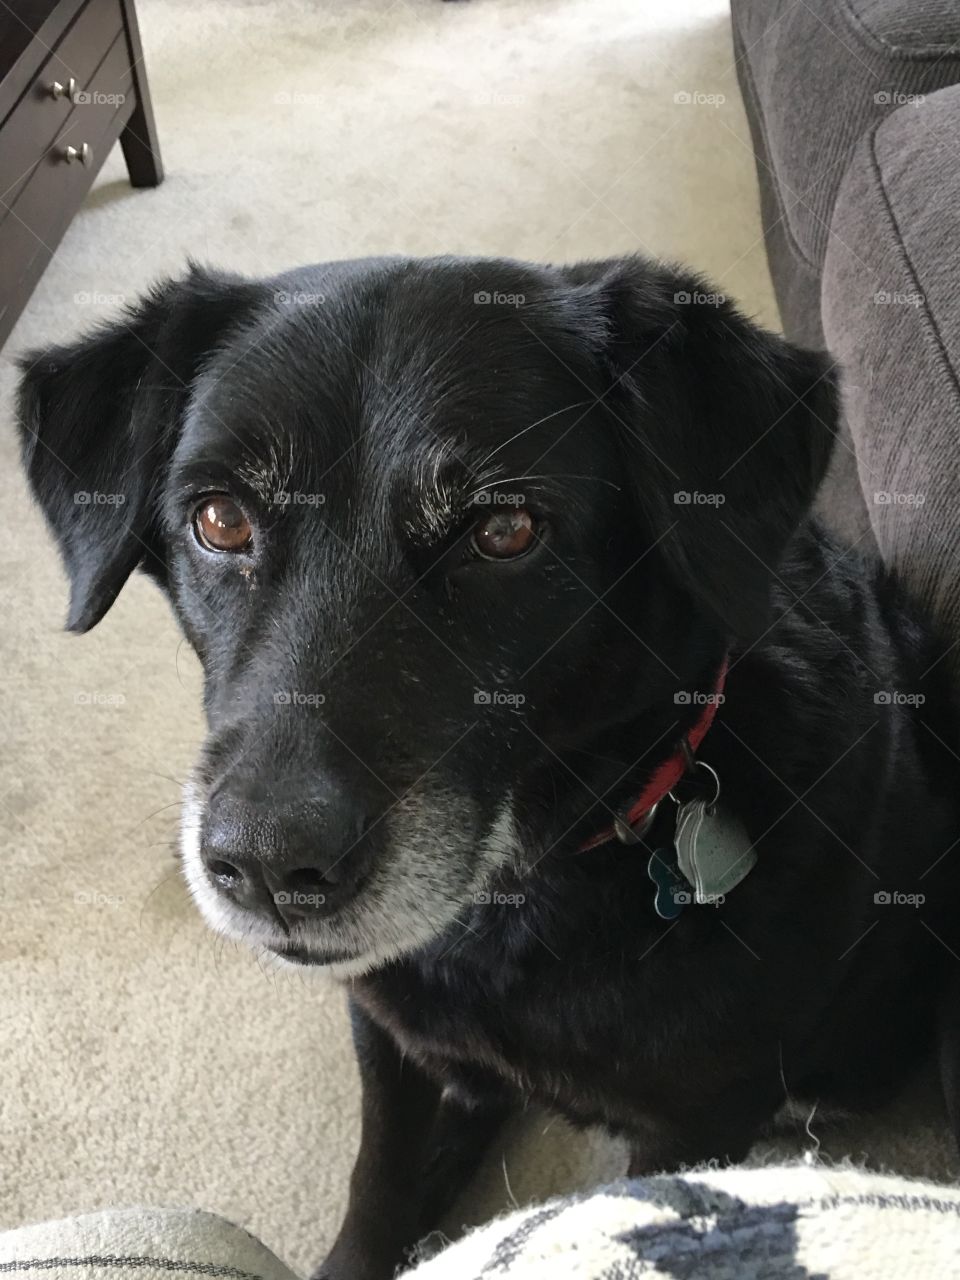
pixel 140 1059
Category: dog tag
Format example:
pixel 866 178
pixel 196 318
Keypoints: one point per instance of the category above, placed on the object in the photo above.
pixel 673 892
pixel 714 851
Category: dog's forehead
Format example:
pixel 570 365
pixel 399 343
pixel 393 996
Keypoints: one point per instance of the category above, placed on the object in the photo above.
pixel 406 374
pixel 420 334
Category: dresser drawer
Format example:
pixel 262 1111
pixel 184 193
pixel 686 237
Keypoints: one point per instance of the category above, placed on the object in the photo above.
pixel 56 187
pixel 42 185
pixel 34 122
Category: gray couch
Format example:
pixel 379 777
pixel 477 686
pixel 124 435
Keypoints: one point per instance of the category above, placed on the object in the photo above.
pixel 854 107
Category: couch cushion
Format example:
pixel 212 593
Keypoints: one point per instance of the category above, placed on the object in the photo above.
pixel 891 314
pixel 915 28
pixel 816 76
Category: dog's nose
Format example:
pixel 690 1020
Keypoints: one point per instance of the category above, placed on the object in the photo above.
pixel 296 858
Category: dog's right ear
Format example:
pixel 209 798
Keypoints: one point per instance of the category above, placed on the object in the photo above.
pixel 98 422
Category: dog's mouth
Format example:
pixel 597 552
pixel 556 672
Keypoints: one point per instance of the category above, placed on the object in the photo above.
pixel 317 956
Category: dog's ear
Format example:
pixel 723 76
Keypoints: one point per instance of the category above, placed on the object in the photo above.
pixel 98 422
pixel 727 429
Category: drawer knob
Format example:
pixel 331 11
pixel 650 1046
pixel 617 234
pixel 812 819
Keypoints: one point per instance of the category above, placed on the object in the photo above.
pixel 68 90
pixel 83 153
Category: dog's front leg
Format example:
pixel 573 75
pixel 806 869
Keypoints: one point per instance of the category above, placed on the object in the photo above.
pixel 418 1147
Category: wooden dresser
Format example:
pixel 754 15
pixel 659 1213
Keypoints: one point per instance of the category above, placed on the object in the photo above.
pixel 72 82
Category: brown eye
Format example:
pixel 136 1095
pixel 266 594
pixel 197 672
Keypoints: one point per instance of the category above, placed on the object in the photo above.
pixel 220 525
pixel 506 534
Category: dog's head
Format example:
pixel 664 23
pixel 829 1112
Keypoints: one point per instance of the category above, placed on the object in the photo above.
pixel 446 535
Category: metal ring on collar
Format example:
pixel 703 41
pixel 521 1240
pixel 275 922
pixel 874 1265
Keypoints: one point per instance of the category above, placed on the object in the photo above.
pixel 702 764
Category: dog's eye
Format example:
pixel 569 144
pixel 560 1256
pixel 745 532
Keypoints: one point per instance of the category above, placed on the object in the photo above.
pixel 220 525
pixel 504 535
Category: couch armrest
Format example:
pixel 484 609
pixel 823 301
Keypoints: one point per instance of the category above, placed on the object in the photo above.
pixel 891 314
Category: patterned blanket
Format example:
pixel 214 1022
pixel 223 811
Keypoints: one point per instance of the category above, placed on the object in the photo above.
pixel 777 1223
pixel 790 1222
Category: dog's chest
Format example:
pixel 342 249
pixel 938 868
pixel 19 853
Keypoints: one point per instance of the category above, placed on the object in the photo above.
pixel 585 1043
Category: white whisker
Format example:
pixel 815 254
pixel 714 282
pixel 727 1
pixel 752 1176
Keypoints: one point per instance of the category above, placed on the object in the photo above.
pixel 546 418
pixel 546 476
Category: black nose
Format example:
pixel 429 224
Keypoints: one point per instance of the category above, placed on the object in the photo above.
pixel 296 856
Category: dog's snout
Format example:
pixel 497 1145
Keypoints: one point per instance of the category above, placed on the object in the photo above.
pixel 292 858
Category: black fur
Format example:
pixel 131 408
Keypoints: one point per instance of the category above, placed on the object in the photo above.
pixel 385 380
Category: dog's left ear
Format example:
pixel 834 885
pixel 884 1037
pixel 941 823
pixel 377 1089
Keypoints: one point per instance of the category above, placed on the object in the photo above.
pixel 98 422
pixel 727 429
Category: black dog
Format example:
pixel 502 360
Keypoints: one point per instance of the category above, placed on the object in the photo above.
pixel 482 561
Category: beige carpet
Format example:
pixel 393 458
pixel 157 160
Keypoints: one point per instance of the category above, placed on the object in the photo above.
pixel 140 1059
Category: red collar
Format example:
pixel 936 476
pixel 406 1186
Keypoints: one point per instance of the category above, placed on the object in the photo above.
pixel 666 775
